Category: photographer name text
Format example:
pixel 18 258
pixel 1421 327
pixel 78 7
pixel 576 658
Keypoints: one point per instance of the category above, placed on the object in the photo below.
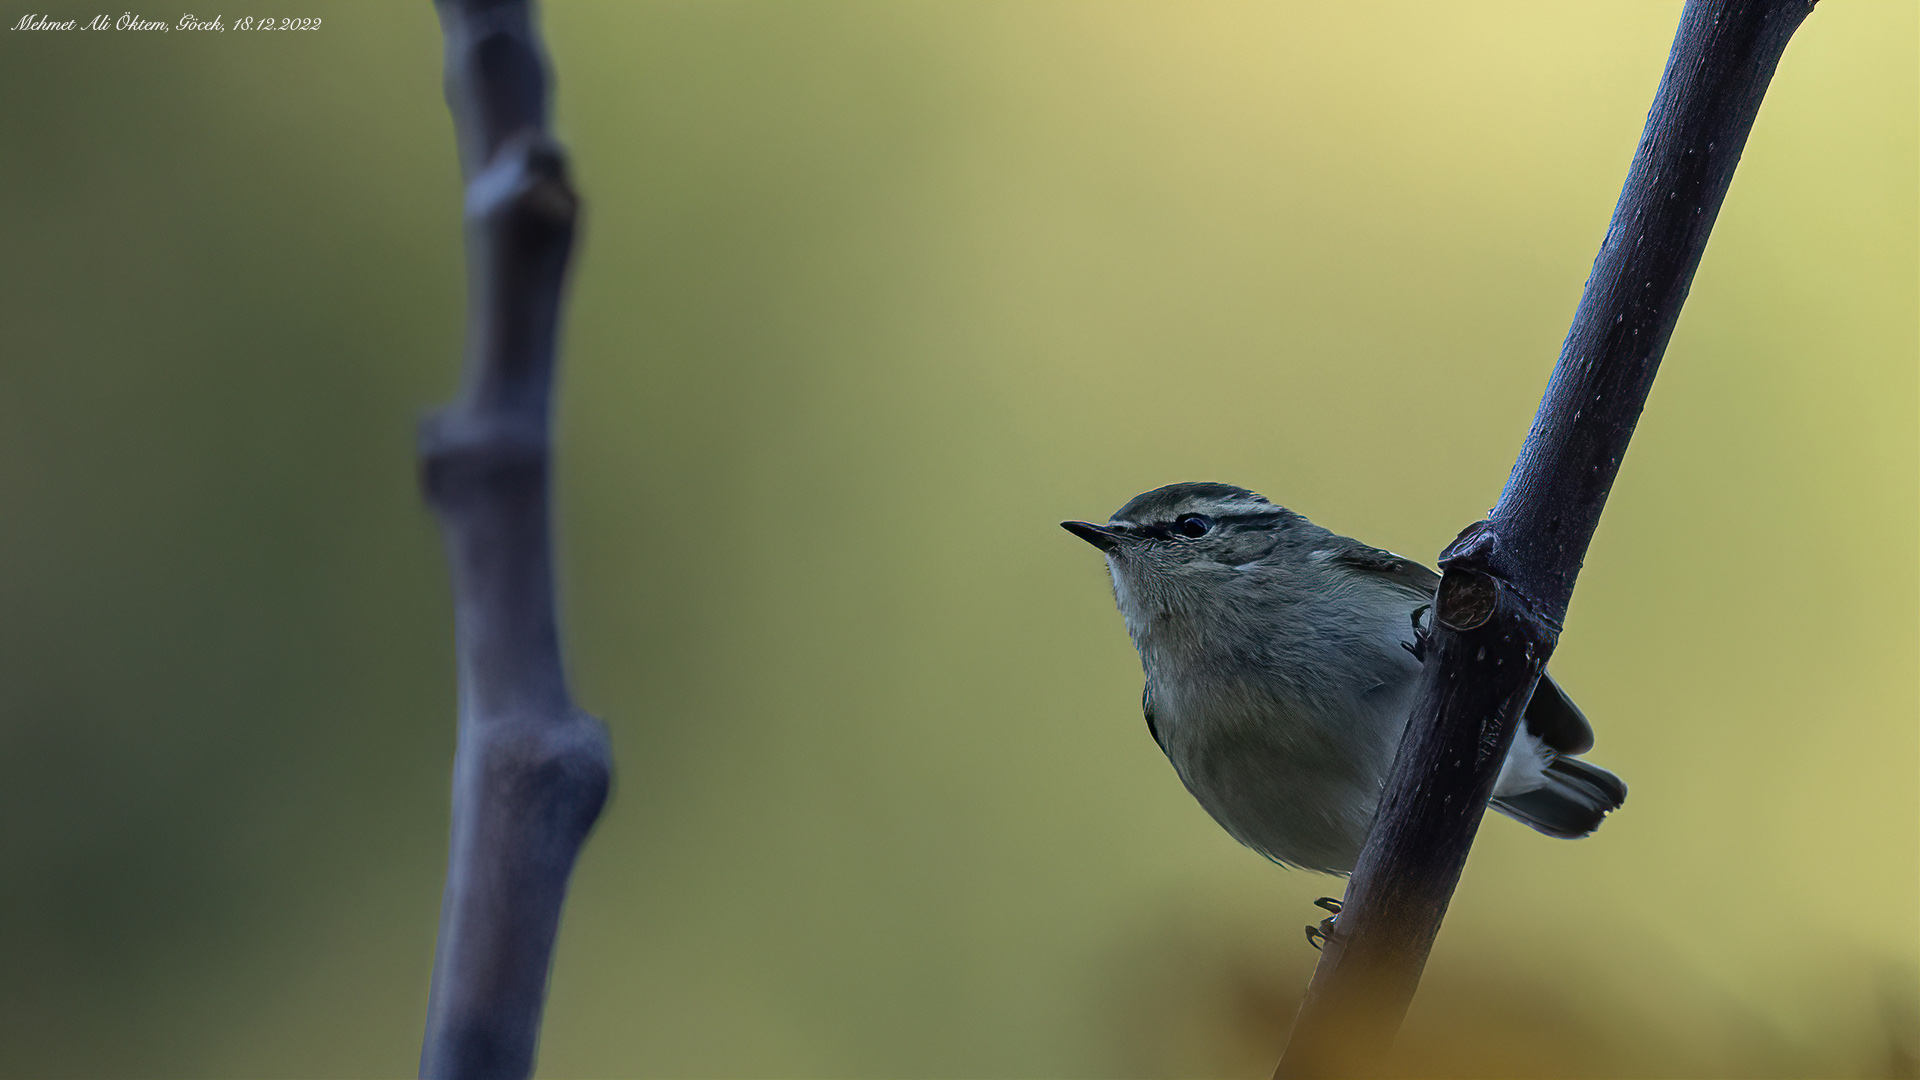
pixel 129 21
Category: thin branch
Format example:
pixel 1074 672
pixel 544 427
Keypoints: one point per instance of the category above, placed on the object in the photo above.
pixel 531 771
pixel 1507 580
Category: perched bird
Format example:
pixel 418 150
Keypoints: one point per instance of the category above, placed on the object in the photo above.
pixel 1281 670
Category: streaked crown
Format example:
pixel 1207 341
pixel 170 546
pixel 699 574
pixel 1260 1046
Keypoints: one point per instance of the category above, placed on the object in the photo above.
pixel 1217 501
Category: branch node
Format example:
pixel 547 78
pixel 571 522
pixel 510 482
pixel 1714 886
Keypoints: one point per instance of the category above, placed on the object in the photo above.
pixel 1475 547
pixel 464 455
pixel 527 174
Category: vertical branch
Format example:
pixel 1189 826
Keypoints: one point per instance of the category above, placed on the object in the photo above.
pixel 531 771
pixel 1507 580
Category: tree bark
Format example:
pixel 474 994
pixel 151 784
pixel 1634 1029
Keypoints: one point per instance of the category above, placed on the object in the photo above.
pixel 1507 580
pixel 531 771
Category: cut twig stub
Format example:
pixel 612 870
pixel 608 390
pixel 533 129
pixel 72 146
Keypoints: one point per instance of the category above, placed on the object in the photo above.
pixel 1466 598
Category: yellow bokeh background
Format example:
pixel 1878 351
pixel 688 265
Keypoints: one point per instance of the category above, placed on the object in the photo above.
pixel 870 296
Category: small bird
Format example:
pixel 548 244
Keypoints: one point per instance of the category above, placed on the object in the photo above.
pixel 1281 667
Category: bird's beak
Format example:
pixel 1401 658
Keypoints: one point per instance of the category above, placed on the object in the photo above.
pixel 1098 535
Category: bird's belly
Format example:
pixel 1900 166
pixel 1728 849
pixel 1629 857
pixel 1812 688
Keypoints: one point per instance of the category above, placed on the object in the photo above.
pixel 1300 794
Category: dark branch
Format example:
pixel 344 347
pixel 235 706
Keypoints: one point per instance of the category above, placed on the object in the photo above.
pixel 531 771
pixel 1507 580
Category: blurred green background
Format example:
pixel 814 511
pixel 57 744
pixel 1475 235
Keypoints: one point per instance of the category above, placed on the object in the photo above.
pixel 871 296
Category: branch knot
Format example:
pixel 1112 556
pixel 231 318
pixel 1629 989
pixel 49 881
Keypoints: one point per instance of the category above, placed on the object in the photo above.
pixel 1472 582
pixel 527 174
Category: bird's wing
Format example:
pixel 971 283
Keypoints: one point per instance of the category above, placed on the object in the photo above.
pixel 1146 706
pixel 1385 566
pixel 1551 715
pixel 1556 720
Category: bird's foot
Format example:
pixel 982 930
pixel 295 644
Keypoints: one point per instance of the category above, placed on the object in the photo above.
pixel 1421 635
pixel 1317 935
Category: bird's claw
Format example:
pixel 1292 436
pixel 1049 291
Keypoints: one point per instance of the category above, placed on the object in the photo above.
pixel 1317 935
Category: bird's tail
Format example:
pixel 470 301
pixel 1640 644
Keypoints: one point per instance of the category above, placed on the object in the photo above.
pixel 1575 799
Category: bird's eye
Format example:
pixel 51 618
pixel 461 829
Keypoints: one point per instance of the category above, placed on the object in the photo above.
pixel 1194 525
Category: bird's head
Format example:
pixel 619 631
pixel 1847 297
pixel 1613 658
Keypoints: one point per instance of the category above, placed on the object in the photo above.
pixel 1169 547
